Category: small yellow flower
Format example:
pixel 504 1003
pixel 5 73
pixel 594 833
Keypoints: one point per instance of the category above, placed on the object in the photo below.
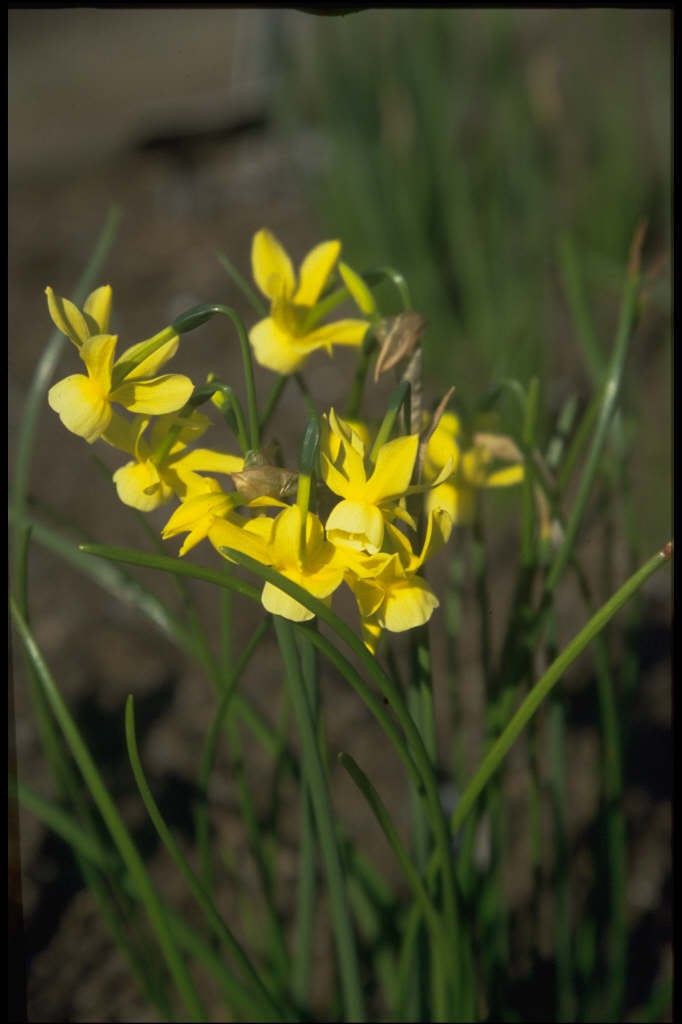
pixel 368 500
pixel 276 542
pixel 284 340
pixel 84 402
pixel 389 593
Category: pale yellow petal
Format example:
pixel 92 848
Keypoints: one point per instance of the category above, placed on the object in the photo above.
pixel 315 272
pixel 202 508
pixel 272 269
pixel 277 349
pixel 359 291
pixel 206 460
pixel 229 533
pixel 98 307
pixel 409 603
pixel 122 433
pixel 163 394
pixel 147 357
pixel 357 525
pixel 393 468
pixel 81 406
pixel 139 485
pixel 340 332
pixel 98 355
pixel 277 602
pixel 67 318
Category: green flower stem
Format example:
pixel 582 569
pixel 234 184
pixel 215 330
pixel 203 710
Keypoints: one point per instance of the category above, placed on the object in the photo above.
pixel 613 820
pixel 272 401
pixel 208 755
pixel 305 896
pixel 546 683
pixel 414 755
pixel 391 693
pixel 352 410
pixel 135 947
pixel 420 705
pixel 378 274
pixel 439 945
pixel 98 857
pixel 198 316
pixel 399 395
pixel 563 937
pixel 315 778
pixel 117 829
pixel 607 408
pixel 257 841
pixel 218 926
pixel 254 299
pixel 308 399
pixel 233 406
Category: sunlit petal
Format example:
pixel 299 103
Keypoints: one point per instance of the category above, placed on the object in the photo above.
pixel 98 307
pixel 163 394
pixel 315 272
pixel 272 269
pixel 81 406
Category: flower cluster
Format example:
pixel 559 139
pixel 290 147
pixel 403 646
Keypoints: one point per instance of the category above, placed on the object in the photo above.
pixel 365 514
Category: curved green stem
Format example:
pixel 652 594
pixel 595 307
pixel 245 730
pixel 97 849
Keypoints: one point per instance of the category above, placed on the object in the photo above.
pixel 531 703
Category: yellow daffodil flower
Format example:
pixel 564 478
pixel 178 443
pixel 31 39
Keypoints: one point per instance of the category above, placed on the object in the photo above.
pixel 84 403
pixel 277 543
pixel 368 499
pixel 474 466
pixel 284 340
pixel 150 480
pixel 389 593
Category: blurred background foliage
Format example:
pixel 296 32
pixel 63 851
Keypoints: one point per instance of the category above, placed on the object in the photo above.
pixel 502 159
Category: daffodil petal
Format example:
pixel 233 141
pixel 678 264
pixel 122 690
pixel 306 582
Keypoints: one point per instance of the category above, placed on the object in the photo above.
pixel 276 349
pixel 357 525
pixel 163 394
pixel 277 602
pixel 272 269
pixel 393 468
pixel 122 433
pixel 206 460
pixel 67 318
pixel 359 291
pixel 81 406
pixel 98 307
pixel 97 353
pixel 147 357
pixel 340 332
pixel 140 485
pixel 228 533
pixel 409 603
pixel 315 272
